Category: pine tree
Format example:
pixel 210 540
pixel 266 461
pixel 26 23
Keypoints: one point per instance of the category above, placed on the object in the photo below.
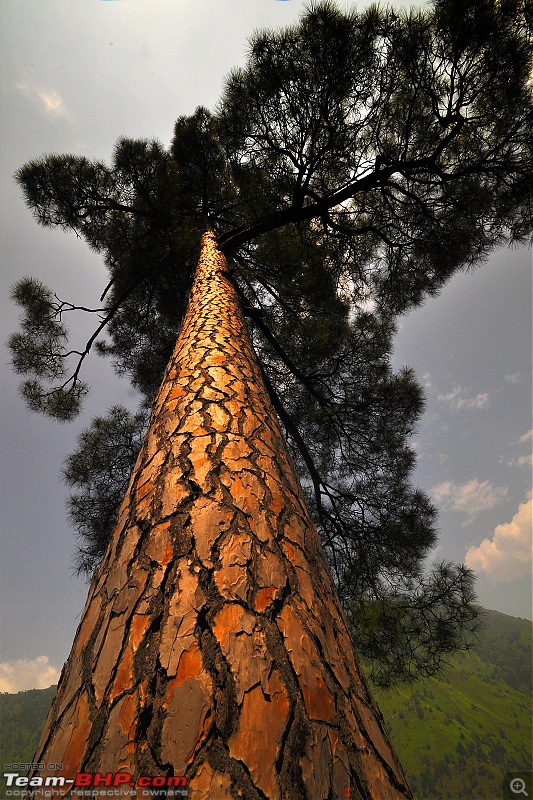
pixel 213 643
pixel 354 165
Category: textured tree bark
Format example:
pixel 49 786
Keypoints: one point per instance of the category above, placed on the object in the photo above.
pixel 213 644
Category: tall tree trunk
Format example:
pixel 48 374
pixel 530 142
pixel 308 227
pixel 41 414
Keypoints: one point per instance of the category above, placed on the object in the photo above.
pixel 213 644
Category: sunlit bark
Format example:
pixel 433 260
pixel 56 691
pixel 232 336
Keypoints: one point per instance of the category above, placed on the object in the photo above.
pixel 213 644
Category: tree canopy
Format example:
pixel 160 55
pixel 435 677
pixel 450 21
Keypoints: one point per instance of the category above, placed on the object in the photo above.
pixel 355 163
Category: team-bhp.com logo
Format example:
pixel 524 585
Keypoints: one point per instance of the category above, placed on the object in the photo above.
pixel 95 784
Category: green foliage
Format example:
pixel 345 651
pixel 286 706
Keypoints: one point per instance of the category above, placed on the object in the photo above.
pixel 406 635
pixel 61 403
pixel 40 351
pixel 99 470
pixel 352 166
pixel 39 348
pixel 204 181
pixel 404 157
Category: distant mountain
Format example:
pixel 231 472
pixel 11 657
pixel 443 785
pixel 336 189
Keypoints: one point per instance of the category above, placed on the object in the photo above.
pixel 457 735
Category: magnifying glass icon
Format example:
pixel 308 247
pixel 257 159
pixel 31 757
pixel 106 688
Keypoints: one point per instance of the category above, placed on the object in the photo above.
pixel 518 786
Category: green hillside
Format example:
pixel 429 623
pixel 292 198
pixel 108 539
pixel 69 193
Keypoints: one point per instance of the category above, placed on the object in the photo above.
pixel 459 733
pixel 22 718
pixel 456 735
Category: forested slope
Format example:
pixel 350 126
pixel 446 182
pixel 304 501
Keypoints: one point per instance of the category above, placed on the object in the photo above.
pixel 458 734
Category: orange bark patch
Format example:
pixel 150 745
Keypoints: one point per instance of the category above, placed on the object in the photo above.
pixel 144 490
pixel 305 586
pixel 201 465
pixel 190 664
pixel 104 664
pixel 139 624
pixel 232 578
pixel 226 622
pixel 270 571
pixel 318 699
pixel 221 379
pixel 237 450
pixel 261 720
pixel 246 492
pixel 187 721
pixel 159 547
pixel 124 675
pixel 316 762
pixel 378 736
pixel 192 422
pixel 277 503
pixel 176 392
pixel 209 782
pixel 168 554
pixel 217 358
pixel 127 714
pixel 75 749
pixel 208 520
pixel 289 550
pixel 172 496
pixel 143 508
pixel 143 693
pixel 307 665
pixel 264 598
pixel 235 408
pixel 245 650
pixel 88 623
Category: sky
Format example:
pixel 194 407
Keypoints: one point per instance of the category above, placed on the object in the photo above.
pixel 74 78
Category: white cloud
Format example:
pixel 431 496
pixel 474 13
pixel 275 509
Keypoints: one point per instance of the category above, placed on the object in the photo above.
pixel 507 556
pixel 23 674
pixel 470 498
pixel 458 399
pixel 520 461
pixel 513 378
pixel 48 101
